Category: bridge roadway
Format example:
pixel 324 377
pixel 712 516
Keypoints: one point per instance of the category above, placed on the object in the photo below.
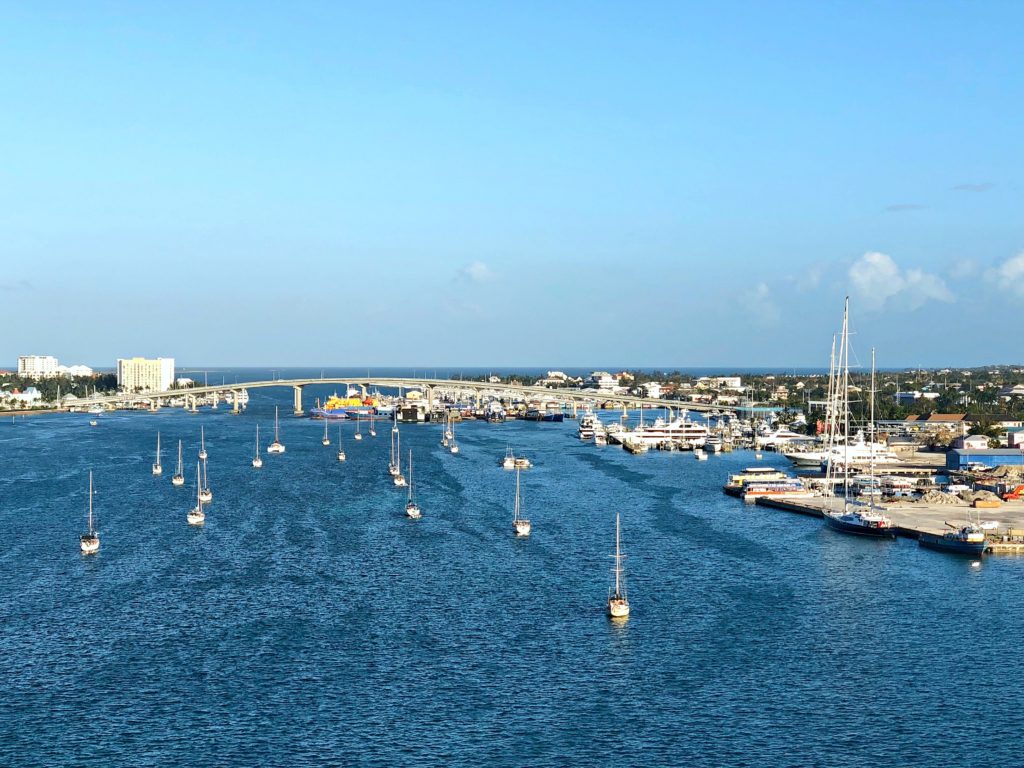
pixel 576 396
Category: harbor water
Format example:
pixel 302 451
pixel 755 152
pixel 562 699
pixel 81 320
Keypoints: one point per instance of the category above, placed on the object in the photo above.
pixel 310 622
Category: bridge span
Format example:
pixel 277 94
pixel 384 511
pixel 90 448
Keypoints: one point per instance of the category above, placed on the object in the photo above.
pixel 577 397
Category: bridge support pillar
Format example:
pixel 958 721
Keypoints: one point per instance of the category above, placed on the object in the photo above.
pixel 216 399
pixel 191 403
pixel 297 392
pixel 362 387
pixel 430 399
pixel 575 414
pixel 235 397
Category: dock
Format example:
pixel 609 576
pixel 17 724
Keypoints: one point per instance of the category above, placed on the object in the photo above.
pixel 911 519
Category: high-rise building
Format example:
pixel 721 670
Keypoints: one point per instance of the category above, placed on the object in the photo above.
pixel 37 366
pixel 140 374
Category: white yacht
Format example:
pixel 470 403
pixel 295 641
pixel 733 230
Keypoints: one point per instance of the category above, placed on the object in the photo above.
pixel 89 542
pixel 277 446
pixel 158 468
pixel 179 473
pixel 688 434
pixel 699 454
pixel 618 603
pixel 713 443
pixel 586 427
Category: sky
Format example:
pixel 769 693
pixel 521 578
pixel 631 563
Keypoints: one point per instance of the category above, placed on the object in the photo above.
pixel 553 184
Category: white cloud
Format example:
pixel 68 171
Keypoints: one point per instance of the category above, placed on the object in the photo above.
pixel 1010 274
pixel 762 305
pixel 964 268
pixel 476 272
pixel 876 278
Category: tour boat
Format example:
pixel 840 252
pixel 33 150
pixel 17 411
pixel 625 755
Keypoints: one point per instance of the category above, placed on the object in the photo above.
pixel 519 523
pixel 341 451
pixel 179 473
pixel 257 460
pixel 277 446
pixel 618 604
pixel 90 540
pixel 202 444
pixel 412 509
pixel 325 440
pixel 158 468
pixel 196 516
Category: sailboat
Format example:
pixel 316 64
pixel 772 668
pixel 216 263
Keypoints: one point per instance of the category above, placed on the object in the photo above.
pixel 412 509
pixel 257 460
pixel 158 468
pixel 277 446
pixel 341 451
pixel 325 440
pixel 202 444
pixel 206 495
pixel 358 434
pixel 196 516
pixel 618 604
pixel 862 519
pixel 453 446
pixel 393 458
pixel 444 432
pixel 179 473
pixel 399 479
pixel 373 432
pixel 90 540
pixel 519 523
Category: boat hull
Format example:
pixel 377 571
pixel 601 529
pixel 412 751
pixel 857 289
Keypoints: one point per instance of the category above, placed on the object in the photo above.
pixel 939 543
pixel 837 524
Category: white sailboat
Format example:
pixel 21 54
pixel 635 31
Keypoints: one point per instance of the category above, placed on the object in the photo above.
pixel 277 446
pixel 196 516
pixel 393 458
pixel 202 444
pixel 90 540
pixel 373 432
pixel 452 445
pixel 325 440
pixel 412 509
pixel 399 479
pixel 257 459
pixel 158 468
pixel 618 604
pixel 519 523
pixel 179 473
pixel 341 451
pixel 358 435
pixel 205 494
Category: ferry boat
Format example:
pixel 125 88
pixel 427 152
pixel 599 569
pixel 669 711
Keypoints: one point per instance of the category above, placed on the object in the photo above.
pixel 338 407
pixel 962 540
pixel 738 481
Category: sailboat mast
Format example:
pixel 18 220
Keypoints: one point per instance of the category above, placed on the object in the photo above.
pixel 618 559
pixel 516 512
pixel 410 474
pixel 90 503
pixel 845 361
pixel 871 430
pixel 199 486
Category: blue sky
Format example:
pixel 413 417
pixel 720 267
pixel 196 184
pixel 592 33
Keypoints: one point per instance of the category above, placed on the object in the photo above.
pixel 672 184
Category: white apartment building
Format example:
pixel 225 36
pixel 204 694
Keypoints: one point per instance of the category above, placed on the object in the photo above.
pixel 140 374
pixel 37 366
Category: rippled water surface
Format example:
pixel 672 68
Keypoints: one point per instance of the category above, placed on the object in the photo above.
pixel 310 622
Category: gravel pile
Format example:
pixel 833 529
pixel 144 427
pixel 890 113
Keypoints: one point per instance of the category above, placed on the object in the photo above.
pixel 939 497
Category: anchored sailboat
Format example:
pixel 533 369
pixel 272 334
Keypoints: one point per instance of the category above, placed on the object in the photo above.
pixel 206 494
pixel 373 432
pixel 90 540
pixel 202 443
pixel 358 434
pixel 196 516
pixel 257 459
pixel 341 451
pixel 325 440
pixel 862 519
pixel 399 480
pixel 519 523
pixel 412 509
pixel 452 445
pixel 179 473
pixel 277 446
pixel 158 468
pixel 618 604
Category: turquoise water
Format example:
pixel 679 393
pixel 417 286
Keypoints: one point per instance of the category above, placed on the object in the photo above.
pixel 310 622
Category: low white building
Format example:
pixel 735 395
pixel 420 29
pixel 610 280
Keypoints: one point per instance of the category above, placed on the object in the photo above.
pixel 652 389
pixel 603 381
pixel 140 374
pixel 74 370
